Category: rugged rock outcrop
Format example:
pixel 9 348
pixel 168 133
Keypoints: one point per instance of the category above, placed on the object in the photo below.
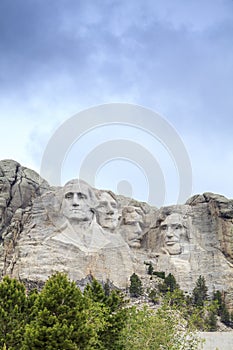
pixel 19 186
pixel 84 231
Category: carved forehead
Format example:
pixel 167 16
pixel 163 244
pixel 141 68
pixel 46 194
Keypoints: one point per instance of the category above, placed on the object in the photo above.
pixel 173 219
pixel 131 209
pixel 106 197
pixel 80 186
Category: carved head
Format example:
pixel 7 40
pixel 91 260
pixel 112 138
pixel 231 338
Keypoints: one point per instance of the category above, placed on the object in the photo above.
pixel 173 233
pixel 132 221
pixel 107 210
pixel 132 214
pixel 78 201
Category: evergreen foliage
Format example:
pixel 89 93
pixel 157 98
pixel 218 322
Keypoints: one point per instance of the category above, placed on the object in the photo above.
pixel 114 315
pixel 169 284
pixel 217 296
pixel 60 320
pixel 224 314
pixel 135 288
pixel 150 269
pixel 200 292
pixel 159 274
pixel 62 317
pixel 13 313
pixel 212 321
pixel 153 295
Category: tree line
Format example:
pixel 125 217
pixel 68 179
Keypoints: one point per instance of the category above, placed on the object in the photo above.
pixel 60 316
pixel 198 308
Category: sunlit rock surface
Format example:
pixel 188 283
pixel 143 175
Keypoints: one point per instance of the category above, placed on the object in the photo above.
pixel 85 231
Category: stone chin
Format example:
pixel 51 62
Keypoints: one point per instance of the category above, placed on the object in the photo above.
pixel 110 227
pixel 173 249
pixel 135 244
pixel 108 223
pixel 78 214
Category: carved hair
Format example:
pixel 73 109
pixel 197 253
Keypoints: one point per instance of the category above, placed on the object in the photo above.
pixel 82 183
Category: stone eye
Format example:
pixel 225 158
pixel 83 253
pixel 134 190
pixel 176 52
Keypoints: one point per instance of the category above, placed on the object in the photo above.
pixel 69 195
pixel 178 227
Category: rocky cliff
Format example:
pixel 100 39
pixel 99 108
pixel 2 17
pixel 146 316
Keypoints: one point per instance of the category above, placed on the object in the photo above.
pixel 83 231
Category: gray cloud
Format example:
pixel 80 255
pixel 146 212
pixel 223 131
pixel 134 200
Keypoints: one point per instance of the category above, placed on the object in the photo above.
pixel 175 57
pixel 114 45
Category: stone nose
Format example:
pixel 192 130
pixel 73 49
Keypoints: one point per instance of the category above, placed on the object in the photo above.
pixel 169 232
pixel 138 229
pixel 110 212
pixel 75 201
pixel 109 209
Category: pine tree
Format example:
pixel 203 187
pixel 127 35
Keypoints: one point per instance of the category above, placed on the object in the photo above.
pixel 135 288
pixel 212 321
pixel 200 292
pixel 114 315
pixel 222 308
pixel 150 269
pixel 61 318
pixel 13 312
pixel 95 291
pixel 169 284
pixel 170 281
pixel 225 316
pixel 217 296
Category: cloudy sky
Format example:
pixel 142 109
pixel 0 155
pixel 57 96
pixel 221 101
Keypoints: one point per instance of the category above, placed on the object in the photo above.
pixel 174 57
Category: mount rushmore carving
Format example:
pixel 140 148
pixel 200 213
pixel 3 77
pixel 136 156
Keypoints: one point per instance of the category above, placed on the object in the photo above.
pixel 81 230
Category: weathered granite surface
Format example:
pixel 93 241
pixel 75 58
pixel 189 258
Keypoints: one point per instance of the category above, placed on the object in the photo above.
pixel 84 231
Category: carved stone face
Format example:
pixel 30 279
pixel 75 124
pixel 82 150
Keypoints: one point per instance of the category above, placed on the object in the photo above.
pixel 132 217
pixel 173 233
pixel 132 214
pixel 134 235
pixel 107 211
pixel 77 202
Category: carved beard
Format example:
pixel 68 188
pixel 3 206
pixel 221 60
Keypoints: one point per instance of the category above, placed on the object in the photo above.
pixel 174 249
pixel 108 222
pixel 135 244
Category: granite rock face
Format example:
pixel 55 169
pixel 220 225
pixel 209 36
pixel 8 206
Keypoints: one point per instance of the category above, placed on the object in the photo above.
pixel 84 231
pixel 194 239
pixel 19 186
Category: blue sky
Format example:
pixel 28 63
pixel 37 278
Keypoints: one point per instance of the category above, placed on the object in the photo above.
pixel 175 57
